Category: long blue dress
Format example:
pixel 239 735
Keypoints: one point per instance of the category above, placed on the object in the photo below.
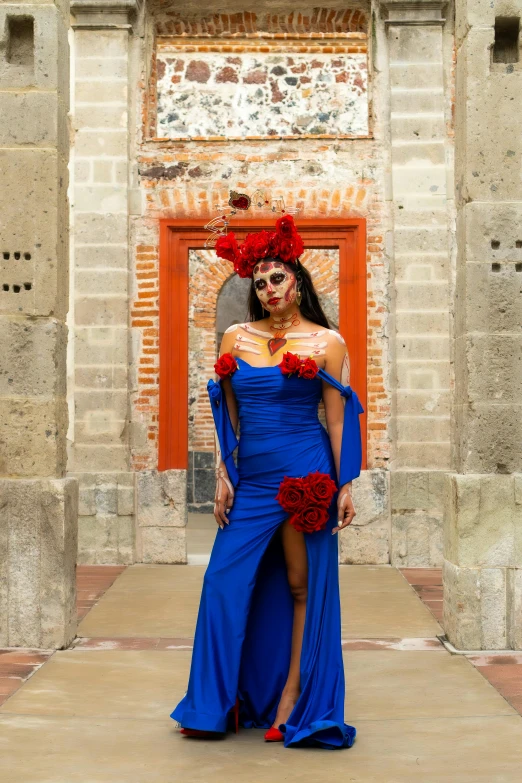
pixel 243 633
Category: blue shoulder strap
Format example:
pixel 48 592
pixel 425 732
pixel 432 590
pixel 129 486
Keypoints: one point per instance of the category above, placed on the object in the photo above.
pixel 225 432
pixel 351 446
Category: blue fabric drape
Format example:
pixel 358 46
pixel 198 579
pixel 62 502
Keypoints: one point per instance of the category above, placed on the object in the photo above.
pixel 243 634
pixel 351 446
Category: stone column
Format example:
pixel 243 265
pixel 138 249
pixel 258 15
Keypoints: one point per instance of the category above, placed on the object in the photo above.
pixel 483 514
pixel 419 57
pixel 38 506
pixel 99 454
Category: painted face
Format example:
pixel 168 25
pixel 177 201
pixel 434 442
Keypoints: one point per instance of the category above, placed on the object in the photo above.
pixel 275 285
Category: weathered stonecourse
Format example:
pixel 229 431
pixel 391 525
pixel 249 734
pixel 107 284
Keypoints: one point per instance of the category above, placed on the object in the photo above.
pixel 483 514
pixel 38 505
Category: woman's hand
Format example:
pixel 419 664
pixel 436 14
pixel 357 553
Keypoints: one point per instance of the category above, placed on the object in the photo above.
pixel 224 497
pixel 345 509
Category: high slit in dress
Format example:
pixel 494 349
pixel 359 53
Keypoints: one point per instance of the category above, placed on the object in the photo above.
pixel 243 634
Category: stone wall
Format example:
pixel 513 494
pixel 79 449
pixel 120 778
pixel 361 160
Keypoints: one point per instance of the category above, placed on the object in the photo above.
pixel 98 351
pixel 390 161
pixel 38 505
pixel 482 552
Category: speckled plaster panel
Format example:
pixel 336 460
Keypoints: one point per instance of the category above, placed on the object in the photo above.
pixel 261 94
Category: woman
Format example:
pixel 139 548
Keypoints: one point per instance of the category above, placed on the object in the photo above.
pixel 267 643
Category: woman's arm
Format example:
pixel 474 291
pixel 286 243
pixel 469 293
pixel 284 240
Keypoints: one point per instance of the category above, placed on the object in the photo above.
pixel 338 366
pixel 224 497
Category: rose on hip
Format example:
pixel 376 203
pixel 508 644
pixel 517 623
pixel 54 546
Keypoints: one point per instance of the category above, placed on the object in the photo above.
pixel 292 494
pixel 310 519
pixel 320 488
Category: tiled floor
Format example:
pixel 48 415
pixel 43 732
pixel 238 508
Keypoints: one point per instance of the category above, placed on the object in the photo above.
pixel 99 712
pixel 16 666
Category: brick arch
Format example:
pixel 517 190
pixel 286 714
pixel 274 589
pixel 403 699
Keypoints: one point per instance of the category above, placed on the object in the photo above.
pixel 207 274
pixel 317 20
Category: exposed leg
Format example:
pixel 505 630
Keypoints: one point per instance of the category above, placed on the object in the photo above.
pixel 294 547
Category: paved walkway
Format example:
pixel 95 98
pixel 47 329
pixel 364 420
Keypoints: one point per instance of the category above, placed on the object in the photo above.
pixel 99 712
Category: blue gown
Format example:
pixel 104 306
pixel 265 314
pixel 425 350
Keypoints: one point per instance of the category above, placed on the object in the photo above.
pixel 243 634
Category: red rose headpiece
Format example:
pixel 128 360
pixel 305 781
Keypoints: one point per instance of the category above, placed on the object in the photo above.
pixel 284 243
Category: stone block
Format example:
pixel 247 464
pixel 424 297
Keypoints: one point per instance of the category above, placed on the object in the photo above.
pixel 92 456
pixel 484 222
pixel 106 199
pixel 91 257
pixel 422 127
pixel 100 345
pixel 423 428
pixel 162 545
pixel 367 539
pixel 422 295
pixel 105 116
pixel 87 501
pixel 489 438
pixel 99 229
pixel 514 607
pixel 38 541
pixel 420 44
pixel 479 521
pixel 475 610
pixel 101 400
pixel 109 310
pixel 493 367
pixel 428 456
pixel 49 69
pixel 101 378
pixel 414 75
pixel 30 118
pixel 104 43
pixel 416 518
pixel 422 402
pixel 413 323
pixel 161 498
pixel 38 232
pixel 31 436
pixel 99 69
pixel 32 360
pixel 485 120
pixel 102 143
pixel 101 92
pixel 125 500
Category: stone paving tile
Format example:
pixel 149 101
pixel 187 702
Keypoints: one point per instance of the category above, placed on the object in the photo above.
pixel 16 666
pixel 162 601
pixel 148 683
pixel 92 581
pixel 77 750
pixel 427 583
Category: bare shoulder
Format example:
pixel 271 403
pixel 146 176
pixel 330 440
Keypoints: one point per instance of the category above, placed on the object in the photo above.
pixel 335 337
pixel 337 360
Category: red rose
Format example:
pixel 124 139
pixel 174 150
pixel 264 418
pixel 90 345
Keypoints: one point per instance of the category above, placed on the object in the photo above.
pixel 308 369
pixel 225 365
pixel 310 519
pixel 292 494
pixel 290 363
pixel 227 247
pixel 286 226
pixel 261 245
pixel 320 488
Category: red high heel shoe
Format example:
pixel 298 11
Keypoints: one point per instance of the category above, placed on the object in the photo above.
pixel 273 735
pixel 212 734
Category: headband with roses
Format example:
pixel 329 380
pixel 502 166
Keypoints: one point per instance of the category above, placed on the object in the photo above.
pixel 284 243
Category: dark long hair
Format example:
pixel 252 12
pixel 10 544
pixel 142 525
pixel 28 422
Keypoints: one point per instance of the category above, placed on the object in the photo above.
pixel 310 306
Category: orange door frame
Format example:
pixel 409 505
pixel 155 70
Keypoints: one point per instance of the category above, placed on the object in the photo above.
pixel 177 237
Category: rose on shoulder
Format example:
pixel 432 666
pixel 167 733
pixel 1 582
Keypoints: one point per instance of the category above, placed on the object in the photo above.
pixel 290 363
pixel 225 365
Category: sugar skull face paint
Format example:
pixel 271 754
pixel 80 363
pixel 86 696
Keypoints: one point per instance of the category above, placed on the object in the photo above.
pixel 275 285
